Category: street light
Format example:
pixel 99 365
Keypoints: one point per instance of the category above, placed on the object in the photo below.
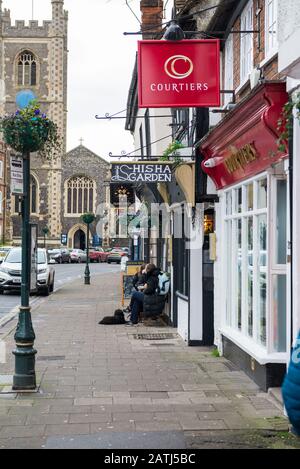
pixel 45 231
pixel 24 377
pixel 87 218
pixel 26 131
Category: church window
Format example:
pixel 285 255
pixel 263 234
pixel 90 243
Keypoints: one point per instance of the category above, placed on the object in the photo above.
pixel 27 69
pixel 80 195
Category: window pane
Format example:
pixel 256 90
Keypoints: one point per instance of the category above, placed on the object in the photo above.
pixel 238 200
pixel 262 196
pixel 69 210
pixel 250 197
pixel 239 273
pixel 33 74
pixel 262 270
pixel 281 240
pixel 229 273
pixel 250 274
pixel 228 203
pixel 279 313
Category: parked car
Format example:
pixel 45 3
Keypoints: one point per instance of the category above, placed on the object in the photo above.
pixel 94 256
pixel 3 251
pixel 103 254
pixel 60 256
pixel 10 272
pixel 78 255
pixel 115 256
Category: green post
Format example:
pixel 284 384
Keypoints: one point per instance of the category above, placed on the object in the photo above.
pixel 87 276
pixel 24 377
pixel 87 218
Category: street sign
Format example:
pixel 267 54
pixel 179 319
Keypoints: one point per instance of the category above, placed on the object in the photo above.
pixel 64 239
pixel 16 175
pixel 141 172
pixel 179 73
pixel 33 256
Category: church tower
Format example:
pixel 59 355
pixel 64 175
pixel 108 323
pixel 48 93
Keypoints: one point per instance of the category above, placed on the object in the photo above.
pixel 34 57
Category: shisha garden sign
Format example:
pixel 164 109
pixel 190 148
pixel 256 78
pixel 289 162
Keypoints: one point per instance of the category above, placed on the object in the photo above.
pixel 141 172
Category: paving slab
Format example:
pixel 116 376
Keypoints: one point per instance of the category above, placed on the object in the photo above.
pixel 102 386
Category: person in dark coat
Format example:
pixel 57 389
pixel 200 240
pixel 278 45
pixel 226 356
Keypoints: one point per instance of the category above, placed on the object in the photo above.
pixel 291 389
pixel 147 290
pixel 138 280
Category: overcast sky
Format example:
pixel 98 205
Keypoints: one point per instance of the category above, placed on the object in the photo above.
pixel 101 61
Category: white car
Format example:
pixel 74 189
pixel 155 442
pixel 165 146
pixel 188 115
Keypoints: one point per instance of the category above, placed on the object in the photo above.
pixel 10 272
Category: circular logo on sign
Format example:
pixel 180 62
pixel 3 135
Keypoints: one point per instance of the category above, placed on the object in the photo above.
pixel 170 67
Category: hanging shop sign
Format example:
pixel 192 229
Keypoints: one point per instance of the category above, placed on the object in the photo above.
pixel 179 73
pixel 16 175
pixel 141 172
pixel 245 143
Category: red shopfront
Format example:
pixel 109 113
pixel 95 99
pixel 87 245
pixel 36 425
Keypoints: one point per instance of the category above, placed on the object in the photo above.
pixel 251 277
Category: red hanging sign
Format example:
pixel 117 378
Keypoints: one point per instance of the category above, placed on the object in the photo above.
pixel 179 73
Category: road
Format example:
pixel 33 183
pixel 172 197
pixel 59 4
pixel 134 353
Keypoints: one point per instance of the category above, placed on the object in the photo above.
pixel 64 273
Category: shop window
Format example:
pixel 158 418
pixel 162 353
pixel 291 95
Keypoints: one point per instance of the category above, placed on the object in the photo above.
pixel 246 259
pixel 246 42
pixel 271 26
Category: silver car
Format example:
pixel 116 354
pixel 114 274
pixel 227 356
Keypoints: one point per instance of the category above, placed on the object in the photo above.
pixel 10 272
pixel 78 255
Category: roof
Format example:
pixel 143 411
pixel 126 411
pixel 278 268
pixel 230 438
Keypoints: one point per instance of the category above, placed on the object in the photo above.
pixel 84 150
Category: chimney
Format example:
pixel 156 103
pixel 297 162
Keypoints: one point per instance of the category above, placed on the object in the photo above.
pixel 152 15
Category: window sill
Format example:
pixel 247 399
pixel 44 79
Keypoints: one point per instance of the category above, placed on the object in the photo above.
pixel 253 349
pixel 270 57
pixel 243 86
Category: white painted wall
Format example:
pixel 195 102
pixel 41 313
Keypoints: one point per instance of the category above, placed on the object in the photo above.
pixel 183 319
pixel 289 37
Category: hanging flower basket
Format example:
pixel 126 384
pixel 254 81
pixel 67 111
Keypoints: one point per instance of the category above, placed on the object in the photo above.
pixel 29 130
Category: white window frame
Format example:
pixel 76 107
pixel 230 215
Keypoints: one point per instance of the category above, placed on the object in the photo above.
pixel 246 44
pixel 271 28
pixel 1 202
pixel 1 169
pixel 228 69
pixel 250 344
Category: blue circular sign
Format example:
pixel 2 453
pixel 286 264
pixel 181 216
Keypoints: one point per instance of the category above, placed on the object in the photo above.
pixel 24 97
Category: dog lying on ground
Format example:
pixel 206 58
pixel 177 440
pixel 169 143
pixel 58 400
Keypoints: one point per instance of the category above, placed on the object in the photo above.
pixel 117 318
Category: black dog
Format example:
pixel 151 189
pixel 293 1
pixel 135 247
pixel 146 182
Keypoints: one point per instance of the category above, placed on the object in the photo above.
pixel 117 318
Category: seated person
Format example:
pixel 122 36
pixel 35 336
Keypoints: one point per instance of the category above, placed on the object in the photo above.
pixel 138 280
pixel 146 290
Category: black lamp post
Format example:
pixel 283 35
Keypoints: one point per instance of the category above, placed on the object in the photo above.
pixel 45 232
pixel 24 377
pixel 87 218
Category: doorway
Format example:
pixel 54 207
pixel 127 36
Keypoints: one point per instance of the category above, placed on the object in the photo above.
pixel 79 240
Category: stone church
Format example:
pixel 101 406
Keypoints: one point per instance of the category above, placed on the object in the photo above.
pixel 34 57
pixel 85 187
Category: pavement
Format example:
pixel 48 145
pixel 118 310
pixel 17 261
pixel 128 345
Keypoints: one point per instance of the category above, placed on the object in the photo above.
pixel 118 387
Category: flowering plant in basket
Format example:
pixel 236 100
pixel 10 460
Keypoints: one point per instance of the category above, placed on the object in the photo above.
pixel 29 130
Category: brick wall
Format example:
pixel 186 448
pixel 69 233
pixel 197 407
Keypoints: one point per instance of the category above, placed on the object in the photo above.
pixel 152 15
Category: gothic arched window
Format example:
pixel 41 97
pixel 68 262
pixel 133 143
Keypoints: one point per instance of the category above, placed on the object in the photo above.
pixel 80 195
pixel 27 68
